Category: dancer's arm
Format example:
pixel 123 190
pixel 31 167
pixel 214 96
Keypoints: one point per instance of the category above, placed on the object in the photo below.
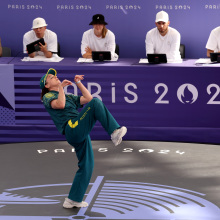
pixel 61 101
pixel 86 95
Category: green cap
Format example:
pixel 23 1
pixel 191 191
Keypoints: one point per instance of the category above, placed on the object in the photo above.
pixel 44 77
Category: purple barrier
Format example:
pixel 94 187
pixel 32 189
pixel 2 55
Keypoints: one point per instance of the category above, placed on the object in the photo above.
pixel 7 96
pixel 173 102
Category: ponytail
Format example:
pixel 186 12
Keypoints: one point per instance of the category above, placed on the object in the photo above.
pixel 43 92
pixel 104 31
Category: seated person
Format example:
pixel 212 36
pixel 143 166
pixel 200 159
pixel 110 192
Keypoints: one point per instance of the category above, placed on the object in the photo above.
pixel 39 30
pixel 0 48
pixel 98 39
pixel 213 44
pixel 163 39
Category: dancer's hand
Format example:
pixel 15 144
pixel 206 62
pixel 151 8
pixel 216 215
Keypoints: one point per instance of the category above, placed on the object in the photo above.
pixel 78 78
pixel 66 83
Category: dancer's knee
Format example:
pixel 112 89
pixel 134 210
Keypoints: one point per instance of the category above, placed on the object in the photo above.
pixel 96 102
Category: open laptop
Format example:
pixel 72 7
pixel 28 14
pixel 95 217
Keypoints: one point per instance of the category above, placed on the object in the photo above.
pixel 101 55
pixel 34 46
pixel 157 58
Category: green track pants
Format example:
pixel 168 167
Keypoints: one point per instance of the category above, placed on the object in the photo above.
pixel 77 134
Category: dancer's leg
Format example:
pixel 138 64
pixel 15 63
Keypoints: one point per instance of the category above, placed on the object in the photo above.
pixel 78 128
pixel 82 178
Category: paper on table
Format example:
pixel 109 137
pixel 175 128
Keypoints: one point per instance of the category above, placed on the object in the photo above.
pixel 54 58
pixel 143 61
pixel 203 60
pixel 84 60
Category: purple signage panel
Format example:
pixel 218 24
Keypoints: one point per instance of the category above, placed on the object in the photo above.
pixel 155 103
pixel 7 95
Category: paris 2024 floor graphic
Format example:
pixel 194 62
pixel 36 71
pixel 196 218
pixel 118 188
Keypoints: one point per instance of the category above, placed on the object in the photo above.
pixel 136 180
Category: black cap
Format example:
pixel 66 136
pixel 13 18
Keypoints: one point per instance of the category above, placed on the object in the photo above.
pixel 98 19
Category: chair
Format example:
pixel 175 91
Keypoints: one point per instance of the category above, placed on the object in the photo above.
pixel 58 49
pixel 6 52
pixel 182 51
pixel 117 49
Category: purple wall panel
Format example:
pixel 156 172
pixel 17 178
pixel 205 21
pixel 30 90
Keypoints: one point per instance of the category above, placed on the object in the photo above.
pixel 129 20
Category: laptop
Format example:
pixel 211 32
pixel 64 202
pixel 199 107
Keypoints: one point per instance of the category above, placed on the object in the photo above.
pixel 101 55
pixel 34 46
pixel 215 57
pixel 157 58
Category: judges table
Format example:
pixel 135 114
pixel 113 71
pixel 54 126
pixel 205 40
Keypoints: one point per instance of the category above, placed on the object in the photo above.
pixel 165 102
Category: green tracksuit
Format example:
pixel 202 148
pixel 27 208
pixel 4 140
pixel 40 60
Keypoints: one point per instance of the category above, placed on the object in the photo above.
pixel 76 127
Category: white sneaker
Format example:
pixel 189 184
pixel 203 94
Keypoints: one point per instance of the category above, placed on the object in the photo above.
pixel 117 135
pixel 68 204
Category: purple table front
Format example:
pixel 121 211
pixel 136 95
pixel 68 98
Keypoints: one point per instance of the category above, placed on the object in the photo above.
pixel 6 60
pixel 169 102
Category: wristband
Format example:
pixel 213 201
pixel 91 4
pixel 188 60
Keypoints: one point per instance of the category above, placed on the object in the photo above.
pixel 78 82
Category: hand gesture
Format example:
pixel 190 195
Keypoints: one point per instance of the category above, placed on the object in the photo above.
pixel 78 78
pixel 66 83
